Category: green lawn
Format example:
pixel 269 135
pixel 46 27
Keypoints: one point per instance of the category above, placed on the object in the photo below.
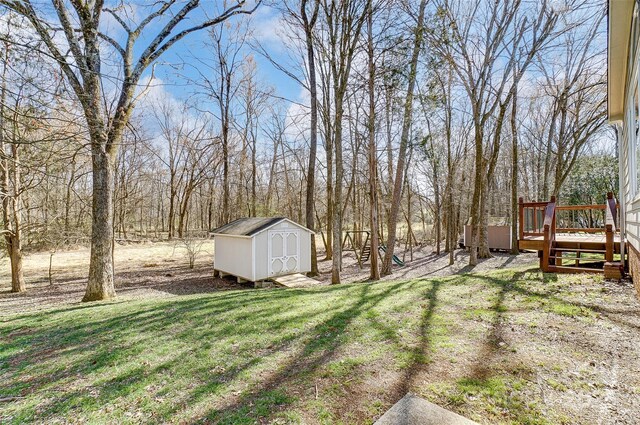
pixel 477 344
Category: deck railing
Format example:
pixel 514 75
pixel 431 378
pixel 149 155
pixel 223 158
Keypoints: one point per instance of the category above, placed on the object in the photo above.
pixel 532 218
pixel 581 218
pixel 546 219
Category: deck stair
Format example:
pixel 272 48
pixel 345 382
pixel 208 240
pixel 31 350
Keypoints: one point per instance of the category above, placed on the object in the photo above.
pixel 571 238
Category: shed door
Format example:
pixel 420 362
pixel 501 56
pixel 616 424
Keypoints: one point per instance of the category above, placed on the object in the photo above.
pixel 284 252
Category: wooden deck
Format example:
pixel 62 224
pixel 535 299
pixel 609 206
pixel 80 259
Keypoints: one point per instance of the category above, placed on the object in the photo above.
pixel 535 243
pixel 571 238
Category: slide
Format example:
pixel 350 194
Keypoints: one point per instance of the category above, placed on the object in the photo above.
pixel 396 260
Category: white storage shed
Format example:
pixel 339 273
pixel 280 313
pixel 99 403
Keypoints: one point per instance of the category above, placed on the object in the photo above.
pixel 259 248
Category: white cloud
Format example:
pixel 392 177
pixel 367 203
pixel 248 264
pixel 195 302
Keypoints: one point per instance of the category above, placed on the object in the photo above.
pixel 298 120
pixel 270 29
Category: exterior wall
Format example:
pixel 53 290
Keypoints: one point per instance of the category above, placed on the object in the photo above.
pixel 629 155
pixel 305 251
pixel 499 237
pixel 234 255
pixel 262 249
pixel 262 255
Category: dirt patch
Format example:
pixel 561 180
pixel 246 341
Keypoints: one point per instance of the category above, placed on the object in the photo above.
pixel 142 271
pixel 423 262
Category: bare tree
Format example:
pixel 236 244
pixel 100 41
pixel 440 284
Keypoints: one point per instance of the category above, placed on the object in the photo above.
pixel 344 21
pixel 373 155
pixel 392 219
pixel 511 38
pixel 308 25
pixel 80 24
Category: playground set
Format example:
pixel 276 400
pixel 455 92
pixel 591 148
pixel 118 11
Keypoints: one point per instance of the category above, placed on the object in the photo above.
pixel 363 250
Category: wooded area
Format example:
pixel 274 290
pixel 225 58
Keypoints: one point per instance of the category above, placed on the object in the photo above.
pixel 418 117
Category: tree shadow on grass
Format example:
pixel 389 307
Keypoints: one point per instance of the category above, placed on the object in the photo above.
pixel 490 378
pixel 417 356
pixel 54 334
pixel 552 294
pixel 67 364
pixel 493 344
pixel 421 353
pixel 322 342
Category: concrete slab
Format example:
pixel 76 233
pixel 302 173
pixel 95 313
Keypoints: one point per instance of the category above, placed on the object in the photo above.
pixel 297 280
pixel 413 410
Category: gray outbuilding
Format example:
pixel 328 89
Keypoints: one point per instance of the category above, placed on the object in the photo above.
pixel 259 248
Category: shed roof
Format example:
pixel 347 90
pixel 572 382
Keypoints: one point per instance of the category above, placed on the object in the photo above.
pixel 247 226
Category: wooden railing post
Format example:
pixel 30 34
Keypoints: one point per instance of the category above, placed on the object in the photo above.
pixel 553 221
pixel 546 248
pixel 549 233
pixel 552 236
pixel 613 207
pixel 610 226
pixel 521 217
pixel 608 256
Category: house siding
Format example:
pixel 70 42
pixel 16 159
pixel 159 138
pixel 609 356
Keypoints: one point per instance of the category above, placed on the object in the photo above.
pixel 628 151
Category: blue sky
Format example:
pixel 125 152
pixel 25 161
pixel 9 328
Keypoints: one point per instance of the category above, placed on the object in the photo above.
pixel 265 23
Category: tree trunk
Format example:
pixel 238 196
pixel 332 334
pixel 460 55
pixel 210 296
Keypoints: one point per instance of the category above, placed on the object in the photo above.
pixel 475 200
pixel 483 229
pixel 337 200
pixel 225 176
pixel 10 199
pixel 101 280
pixel 548 156
pixel 12 222
pixel 345 24
pixel 451 221
pixel 373 166
pixel 225 87
pixel 330 199
pixel 514 177
pixel 17 276
pixel 67 202
pixel 436 195
pixel 173 192
pixel 313 139
pixel 254 179
pixel 184 209
pixel 272 174
pixel 404 141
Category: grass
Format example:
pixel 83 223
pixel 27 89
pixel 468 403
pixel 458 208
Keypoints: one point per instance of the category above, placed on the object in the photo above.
pixel 340 354
pixel 589 258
